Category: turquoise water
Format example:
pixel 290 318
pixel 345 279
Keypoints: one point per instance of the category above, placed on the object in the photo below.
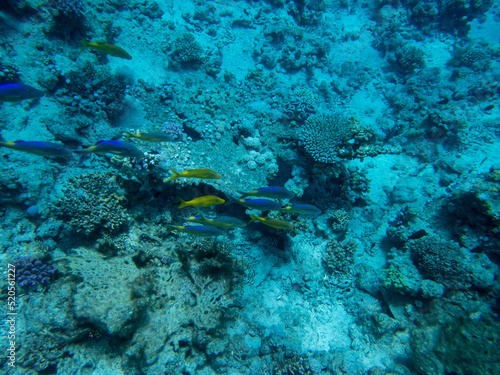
pixel 337 163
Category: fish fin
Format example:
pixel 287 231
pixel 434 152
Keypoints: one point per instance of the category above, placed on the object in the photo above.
pixel 85 45
pixel 183 203
pixel 175 176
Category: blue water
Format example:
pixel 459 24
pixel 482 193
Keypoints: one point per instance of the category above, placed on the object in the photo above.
pixel 381 117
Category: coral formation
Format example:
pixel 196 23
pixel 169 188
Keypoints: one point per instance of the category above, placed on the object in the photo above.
pixel 94 91
pixel 475 211
pixel 92 202
pixel 408 58
pixel 446 262
pixel 187 52
pixel 68 19
pixel 109 303
pixel 398 262
pixel 302 104
pixel 340 223
pixel 324 135
pixel 338 258
pixel 32 273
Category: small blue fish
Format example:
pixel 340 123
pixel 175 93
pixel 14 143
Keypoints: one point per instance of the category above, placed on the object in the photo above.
pixel 38 148
pixel 15 92
pixel 200 231
pixel 258 204
pixel 119 148
pixel 268 192
pixel 304 209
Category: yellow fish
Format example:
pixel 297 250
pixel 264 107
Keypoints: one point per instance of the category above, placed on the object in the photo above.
pixel 205 201
pixel 110 49
pixel 278 224
pixel 195 173
pixel 201 231
pixel 148 137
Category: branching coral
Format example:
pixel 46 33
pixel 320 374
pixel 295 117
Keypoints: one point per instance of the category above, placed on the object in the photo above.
pixel 340 222
pixel 92 202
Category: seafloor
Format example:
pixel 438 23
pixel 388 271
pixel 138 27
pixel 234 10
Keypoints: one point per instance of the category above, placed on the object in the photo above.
pixel 383 114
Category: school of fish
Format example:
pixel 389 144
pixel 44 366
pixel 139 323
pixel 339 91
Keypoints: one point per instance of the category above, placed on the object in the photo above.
pixel 15 92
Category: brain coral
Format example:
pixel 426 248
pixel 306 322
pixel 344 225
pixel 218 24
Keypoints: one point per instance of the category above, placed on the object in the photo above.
pixel 324 135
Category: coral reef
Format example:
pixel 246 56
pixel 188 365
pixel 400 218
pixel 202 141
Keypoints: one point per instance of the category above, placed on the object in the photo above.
pixel 94 91
pixel 340 222
pixel 453 16
pixel 474 209
pixel 408 58
pixel 302 103
pixel 91 203
pixel 8 73
pixel 446 262
pixel 111 304
pixel 338 258
pixel 324 135
pixel 32 273
pixel 68 19
pixel 187 52
pixel 49 329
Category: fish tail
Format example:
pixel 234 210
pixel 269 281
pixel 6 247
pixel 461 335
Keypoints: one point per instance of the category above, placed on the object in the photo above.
pixel 183 203
pixel 127 135
pixel 83 153
pixel 254 218
pixel 85 45
pixel 175 176
pixel 243 194
pixel 201 215
pixel 231 199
